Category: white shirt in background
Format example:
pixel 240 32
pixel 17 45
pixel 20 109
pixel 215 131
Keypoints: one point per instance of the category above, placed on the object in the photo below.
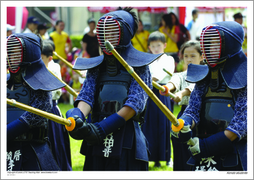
pixel 55 68
pixel 156 68
pixel 178 79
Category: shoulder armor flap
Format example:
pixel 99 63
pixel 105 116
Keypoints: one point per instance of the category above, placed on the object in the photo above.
pixel 196 73
pixel 132 56
pixel 235 72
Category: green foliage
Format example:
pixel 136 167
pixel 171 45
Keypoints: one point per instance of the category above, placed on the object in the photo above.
pixel 79 159
pixel 76 39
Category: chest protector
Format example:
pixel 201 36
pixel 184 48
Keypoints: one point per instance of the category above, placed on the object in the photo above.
pixel 112 89
pixel 20 94
pixel 217 109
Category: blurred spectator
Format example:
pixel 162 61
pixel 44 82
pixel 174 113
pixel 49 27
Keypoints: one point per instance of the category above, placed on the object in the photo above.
pixel 192 54
pixel 42 29
pixel 10 29
pixel 75 83
pixel 193 26
pixel 171 33
pixel 169 29
pixel 238 17
pixel 139 41
pixel 183 33
pixel 176 34
pixel 90 45
pixel 32 24
pixel 61 39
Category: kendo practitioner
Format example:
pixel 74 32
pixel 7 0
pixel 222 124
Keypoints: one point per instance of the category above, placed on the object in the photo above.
pixel 218 103
pixel 30 83
pixel 113 140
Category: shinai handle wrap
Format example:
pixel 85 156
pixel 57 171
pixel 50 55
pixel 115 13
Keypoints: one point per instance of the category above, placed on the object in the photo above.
pixel 70 123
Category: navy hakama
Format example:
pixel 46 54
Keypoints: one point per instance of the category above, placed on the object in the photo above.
pixel 156 129
pixel 60 142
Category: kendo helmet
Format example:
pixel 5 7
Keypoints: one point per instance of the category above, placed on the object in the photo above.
pixel 118 27
pixel 17 55
pixel 24 55
pixel 221 41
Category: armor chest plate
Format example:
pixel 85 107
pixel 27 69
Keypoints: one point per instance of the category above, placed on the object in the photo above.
pixel 216 113
pixel 111 94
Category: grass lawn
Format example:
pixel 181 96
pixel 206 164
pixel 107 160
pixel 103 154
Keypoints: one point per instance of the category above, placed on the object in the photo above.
pixel 78 159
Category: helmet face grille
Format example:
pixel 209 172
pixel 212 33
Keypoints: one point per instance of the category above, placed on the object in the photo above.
pixel 108 29
pixel 210 44
pixel 14 54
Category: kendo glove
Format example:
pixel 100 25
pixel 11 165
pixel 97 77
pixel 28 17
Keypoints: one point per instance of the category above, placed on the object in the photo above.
pixel 80 130
pixel 99 130
pixel 185 134
pixel 16 128
pixel 217 144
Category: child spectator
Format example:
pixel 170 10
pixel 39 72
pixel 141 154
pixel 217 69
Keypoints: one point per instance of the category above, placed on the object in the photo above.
pixel 156 127
pixel 191 53
pixel 42 30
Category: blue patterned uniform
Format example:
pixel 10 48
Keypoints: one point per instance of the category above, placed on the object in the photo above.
pixel 218 103
pixel 116 141
pixel 40 100
pixel 238 125
pixel 130 151
pixel 137 96
pixel 30 151
pixel 29 82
